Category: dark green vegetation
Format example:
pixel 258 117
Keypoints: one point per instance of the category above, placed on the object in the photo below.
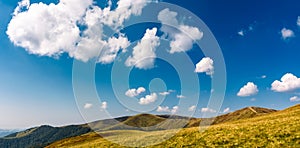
pixel 248 127
pixel 41 136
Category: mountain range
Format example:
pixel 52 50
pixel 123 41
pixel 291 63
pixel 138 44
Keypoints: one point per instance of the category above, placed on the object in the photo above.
pixel 82 135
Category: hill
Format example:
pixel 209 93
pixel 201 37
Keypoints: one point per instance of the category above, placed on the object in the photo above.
pixel 268 129
pixel 5 132
pixel 41 136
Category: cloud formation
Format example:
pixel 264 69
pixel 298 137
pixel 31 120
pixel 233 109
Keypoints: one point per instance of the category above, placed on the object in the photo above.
pixel 143 54
pixel 226 110
pixel 87 105
pixel 286 33
pixel 135 92
pixel 182 39
pixel 298 21
pixel 206 65
pixel 53 29
pixel 148 99
pixel 295 99
pixel 104 105
pixel 248 90
pixel 192 108
pixel 167 109
pixel 180 96
pixel 288 82
pixel 207 110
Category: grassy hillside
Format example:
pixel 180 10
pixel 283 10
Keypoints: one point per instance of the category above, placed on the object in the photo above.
pixel 276 129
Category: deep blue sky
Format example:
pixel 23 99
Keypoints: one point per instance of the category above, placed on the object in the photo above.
pixel 37 90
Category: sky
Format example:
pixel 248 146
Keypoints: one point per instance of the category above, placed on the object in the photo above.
pixel 65 62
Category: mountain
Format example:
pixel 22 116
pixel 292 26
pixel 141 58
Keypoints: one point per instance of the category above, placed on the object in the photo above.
pixel 5 132
pixel 248 127
pixel 41 136
pixel 44 135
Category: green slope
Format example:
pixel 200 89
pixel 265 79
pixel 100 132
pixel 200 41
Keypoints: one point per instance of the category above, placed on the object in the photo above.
pixel 275 129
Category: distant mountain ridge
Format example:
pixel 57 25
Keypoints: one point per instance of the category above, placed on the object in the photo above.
pixel 5 132
pixel 44 135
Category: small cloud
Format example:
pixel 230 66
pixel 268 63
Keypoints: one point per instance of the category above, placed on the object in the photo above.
pixel 286 33
pixel 167 109
pixel 166 92
pixel 87 105
pixel 241 33
pixel 205 65
pixel 192 108
pixel 104 105
pixel 295 99
pixel 248 90
pixel 253 99
pixel 207 110
pixel 263 76
pixel 180 96
pixel 148 99
pixel 226 110
pixel 135 92
pixel 163 109
pixel 288 82
pixel 298 21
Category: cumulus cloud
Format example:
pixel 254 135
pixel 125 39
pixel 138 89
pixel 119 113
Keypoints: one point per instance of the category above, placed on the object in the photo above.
pixel 192 108
pixel 167 109
pixel 135 92
pixel 226 110
pixel 180 96
pixel 295 99
pixel 148 99
pixel 206 65
pixel 87 105
pixel 286 33
pixel 53 29
pixel 104 105
pixel 207 110
pixel 143 54
pixel 288 82
pixel 248 90
pixel 181 40
pixel 298 21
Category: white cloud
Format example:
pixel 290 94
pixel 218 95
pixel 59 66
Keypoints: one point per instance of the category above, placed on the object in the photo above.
pixel 104 105
pixel 163 109
pixel 298 21
pixel 148 99
pixel 113 46
pixel 53 29
pixel 181 40
pixel 167 109
pixel 192 108
pixel 87 105
pixel 143 54
pixel 206 65
pixel 253 99
pixel 165 93
pixel 295 99
pixel 288 82
pixel 207 110
pixel 226 110
pixel 263 76
pixel 248 90
pixel 24 4
pixel 174 109
pixel 241 33
pixel 287 33
pixel 180 96
pixel 135 92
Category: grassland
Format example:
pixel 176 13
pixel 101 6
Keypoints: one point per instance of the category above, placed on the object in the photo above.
pixel 277 129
